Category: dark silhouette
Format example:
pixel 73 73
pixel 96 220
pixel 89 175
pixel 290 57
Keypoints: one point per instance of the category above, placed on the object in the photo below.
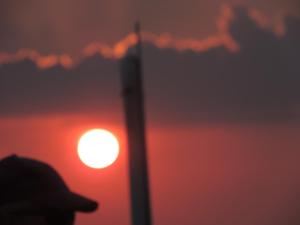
pixel 133 100
pixel 32 192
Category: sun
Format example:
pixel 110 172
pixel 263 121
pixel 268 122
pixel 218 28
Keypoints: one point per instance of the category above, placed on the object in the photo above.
pixel 98 148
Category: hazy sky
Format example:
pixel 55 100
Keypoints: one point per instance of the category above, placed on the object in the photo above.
pixel 63 26
pixel 223 116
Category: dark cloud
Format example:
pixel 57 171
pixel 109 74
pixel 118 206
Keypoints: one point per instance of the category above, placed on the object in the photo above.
pixel 91 86
pixel 258 83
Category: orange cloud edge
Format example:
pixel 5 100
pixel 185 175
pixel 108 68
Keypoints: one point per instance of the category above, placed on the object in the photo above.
pixel 162 41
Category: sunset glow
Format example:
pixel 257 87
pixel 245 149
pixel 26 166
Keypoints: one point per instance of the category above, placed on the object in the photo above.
pixel 162 112
pixel 98 148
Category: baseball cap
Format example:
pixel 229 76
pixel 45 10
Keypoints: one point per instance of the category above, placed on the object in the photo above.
pixel 28 184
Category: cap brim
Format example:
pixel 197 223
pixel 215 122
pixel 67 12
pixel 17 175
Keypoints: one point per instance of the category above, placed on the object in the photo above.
pixel 64 201
pixel 69 201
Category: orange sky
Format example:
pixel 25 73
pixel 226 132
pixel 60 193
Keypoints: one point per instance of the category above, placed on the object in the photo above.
pixel 209 174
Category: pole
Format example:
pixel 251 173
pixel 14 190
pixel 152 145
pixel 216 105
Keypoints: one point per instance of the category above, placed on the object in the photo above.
pixel 132 85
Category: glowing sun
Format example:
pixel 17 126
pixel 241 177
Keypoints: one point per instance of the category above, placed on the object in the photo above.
pixel 98 148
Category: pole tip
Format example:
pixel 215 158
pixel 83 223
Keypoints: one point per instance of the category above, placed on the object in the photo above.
pixel 137 27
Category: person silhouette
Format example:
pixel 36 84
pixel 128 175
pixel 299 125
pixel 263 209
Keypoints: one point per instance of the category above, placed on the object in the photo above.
pixel 33 193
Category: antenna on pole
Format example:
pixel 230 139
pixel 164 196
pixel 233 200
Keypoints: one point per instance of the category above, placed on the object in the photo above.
pixel 137 30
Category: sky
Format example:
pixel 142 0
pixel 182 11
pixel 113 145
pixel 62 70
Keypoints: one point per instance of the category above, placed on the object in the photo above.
pixel 57 26
pixel 222 103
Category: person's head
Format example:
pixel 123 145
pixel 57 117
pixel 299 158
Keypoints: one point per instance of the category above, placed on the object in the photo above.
pixel 32 192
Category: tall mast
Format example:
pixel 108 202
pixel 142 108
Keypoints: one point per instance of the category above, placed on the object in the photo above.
pixel 133 99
